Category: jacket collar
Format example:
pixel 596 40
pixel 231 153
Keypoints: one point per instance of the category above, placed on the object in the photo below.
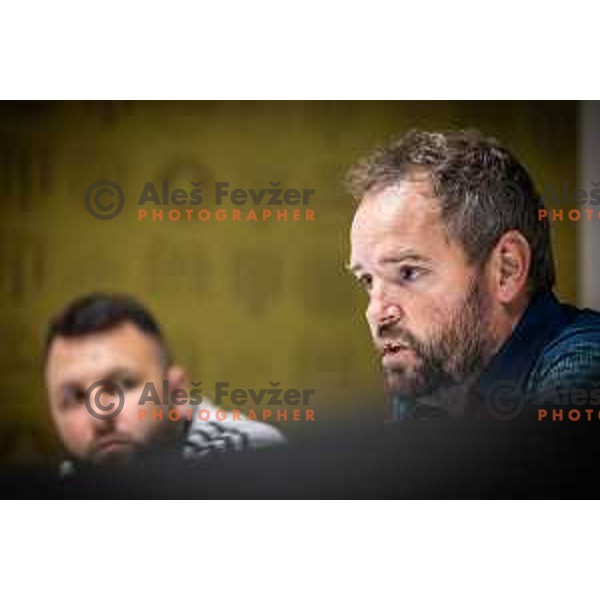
pixel 543 320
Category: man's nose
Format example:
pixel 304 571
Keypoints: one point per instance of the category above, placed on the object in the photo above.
pixel 383 310
pixel 103 426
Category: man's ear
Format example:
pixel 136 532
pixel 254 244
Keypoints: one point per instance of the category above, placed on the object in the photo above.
pixel 178 380
pixel 509 266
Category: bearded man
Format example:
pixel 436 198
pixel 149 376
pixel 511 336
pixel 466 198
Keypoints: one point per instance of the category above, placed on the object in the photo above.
pixel 448 243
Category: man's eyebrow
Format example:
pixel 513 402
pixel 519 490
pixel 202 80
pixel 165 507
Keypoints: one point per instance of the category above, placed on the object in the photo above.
pixel 414 256
pixel 115 374
pixel 119 373
pixel 409 255
pixel 70 386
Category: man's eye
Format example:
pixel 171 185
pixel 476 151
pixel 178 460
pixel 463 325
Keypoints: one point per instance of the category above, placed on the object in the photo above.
pixel 409 273
pixel 73 398
pixel 365 281
pixel 128 383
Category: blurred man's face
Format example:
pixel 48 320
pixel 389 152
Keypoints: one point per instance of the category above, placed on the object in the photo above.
pixel 427 305
pixel 124 355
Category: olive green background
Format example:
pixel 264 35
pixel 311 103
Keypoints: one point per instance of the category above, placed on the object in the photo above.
pixel 245 302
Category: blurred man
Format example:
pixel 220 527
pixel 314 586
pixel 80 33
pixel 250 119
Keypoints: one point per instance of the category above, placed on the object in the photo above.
pixel 103 355
pixel 459 271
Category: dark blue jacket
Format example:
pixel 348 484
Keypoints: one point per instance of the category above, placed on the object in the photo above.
pixel 551 358
pixel 554 350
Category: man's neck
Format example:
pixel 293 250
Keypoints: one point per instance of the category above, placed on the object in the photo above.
pixel 504 321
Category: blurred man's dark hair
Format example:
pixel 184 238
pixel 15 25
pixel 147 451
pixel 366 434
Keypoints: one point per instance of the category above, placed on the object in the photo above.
pixel 99 312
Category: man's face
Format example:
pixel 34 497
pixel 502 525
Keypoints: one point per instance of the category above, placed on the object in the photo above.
pixel 427 308
pixel 124 355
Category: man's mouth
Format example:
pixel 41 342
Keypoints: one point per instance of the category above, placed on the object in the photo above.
pixel 110 444
pixel 392 348
pixel 393 352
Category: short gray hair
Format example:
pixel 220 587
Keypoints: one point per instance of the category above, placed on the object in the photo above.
pixel 483 190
